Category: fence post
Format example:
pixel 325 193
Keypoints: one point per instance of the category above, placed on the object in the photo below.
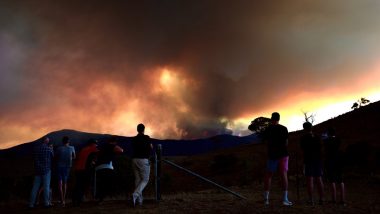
pixel 158 171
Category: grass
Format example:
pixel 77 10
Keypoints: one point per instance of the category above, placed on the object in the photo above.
pixel 363 196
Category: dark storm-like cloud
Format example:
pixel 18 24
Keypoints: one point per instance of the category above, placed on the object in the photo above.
pixel 243 55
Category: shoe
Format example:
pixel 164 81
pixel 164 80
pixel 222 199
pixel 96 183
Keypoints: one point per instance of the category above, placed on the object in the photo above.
pixel 321 202
pixel 266 202
pixel 134 198
pixel 287 203
pixel 140 200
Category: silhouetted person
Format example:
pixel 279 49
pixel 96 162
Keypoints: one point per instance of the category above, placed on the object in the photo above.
pixel 104 169
pixel 142 149
pixel 50 144
pixel 276 137
pixel 65 155
pixel 84 170
pixel 43 155
pixel 312 157
pixel 334 165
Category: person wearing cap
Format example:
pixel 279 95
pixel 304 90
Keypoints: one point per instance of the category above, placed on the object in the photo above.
pixel 141 151
pixel 84 170
pixel 276 137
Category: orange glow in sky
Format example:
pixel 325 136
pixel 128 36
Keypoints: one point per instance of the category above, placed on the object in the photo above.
pixel 185 70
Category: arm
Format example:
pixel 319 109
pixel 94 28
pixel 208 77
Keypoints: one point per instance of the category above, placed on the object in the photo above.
pixel 118 150
pixel 73 153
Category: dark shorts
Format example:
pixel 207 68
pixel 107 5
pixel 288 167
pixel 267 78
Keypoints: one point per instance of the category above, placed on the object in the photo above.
pixel 313 169
pixel 334 172
pixel 63 173
pixel 281 164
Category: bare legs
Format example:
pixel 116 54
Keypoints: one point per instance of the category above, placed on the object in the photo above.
pixel 267 185
pixel 62 186
pixel 268 181
pixel 284 179
pixel 310 187
pixel 320 187
pixel 342 192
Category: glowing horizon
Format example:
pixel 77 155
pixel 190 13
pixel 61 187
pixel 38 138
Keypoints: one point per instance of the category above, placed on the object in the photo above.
pixel 186 70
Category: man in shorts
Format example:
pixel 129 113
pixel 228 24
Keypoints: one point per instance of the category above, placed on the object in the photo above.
pixel 311 146
pixel 65 156
pixel 334 165
pixel 276 137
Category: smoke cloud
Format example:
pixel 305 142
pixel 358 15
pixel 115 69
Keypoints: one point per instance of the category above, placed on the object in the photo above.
pixel 185 68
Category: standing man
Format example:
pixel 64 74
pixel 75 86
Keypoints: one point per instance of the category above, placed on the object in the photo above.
pixel 43 155
pixel 311 147
pixel 334 165
pixel 276 137
pixel 142 149
pixel 65 156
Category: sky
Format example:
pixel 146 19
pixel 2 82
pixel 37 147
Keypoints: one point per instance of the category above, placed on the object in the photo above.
pixel 186 69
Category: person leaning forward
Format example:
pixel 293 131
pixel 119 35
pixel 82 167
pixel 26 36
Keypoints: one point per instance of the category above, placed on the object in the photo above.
pixel 141 151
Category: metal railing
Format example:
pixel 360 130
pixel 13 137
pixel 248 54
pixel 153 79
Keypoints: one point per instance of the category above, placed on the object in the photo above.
pixel 158 171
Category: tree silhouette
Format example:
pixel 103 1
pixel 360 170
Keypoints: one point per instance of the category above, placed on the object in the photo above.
pixel 309 118
pixel 259 124
pixel 359 103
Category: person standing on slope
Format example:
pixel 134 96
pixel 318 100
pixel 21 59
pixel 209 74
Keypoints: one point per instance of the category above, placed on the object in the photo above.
pixel 334 165
pixel 276 137
pixel 312 158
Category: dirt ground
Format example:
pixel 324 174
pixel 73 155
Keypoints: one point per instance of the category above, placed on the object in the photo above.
pixel 363 196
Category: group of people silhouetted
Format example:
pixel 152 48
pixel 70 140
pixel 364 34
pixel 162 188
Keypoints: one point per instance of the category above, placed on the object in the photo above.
pixel 276 138
pixel 92 165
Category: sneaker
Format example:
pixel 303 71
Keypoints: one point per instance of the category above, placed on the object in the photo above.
pixel 287 203
pixel 266 202
pixel 140 200
pixel 134 198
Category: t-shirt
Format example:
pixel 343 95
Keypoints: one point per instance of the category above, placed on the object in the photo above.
pixel 141 146
pixel 331 145
pixel 83 156
pixel 311 147
pixel 106 154
pixel 276 137
pixel 65 156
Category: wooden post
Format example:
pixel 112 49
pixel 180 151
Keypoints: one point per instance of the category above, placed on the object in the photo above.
pixel 297 179
pixel 158 171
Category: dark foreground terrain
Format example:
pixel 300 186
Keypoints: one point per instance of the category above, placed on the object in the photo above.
pixel 363 196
